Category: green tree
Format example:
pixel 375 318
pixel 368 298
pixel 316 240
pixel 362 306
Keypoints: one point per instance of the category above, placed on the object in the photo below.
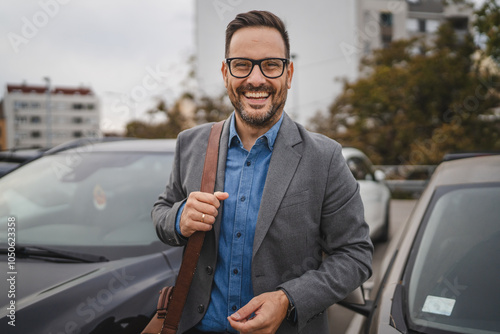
pixel 186 112
pixel 487 24
pixel 415 103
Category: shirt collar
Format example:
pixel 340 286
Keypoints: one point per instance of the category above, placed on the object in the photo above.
pixel 270 135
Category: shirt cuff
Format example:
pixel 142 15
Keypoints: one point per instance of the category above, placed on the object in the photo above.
pixel 178 221
pixel 290 299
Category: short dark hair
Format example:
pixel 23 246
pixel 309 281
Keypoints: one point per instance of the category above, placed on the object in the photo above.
pixel 256 18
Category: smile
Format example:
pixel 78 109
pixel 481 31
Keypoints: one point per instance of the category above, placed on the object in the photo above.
pixel 256 95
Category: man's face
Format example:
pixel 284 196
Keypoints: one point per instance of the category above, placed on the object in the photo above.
pixel 258 100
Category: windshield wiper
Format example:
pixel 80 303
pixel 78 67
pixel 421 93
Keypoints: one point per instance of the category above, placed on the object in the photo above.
pixel 43 252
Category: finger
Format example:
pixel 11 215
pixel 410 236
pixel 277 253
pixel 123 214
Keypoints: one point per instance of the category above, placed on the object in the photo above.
pixel 248 325
pixel 196 211
pixel 269 309
pixel 197 226
pixel 200 212
pixel 206 198
pixel 192 220
pixel 221 195
pixel 246 311
pixel 200 203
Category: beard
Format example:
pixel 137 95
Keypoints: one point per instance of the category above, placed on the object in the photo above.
pixel 266 117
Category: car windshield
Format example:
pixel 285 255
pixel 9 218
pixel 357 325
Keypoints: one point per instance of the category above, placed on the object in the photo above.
pixel 91 202
pixel 454 282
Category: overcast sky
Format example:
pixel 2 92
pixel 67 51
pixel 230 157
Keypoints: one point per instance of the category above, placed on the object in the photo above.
pixel 129 52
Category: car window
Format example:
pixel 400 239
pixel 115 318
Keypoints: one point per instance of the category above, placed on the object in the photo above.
pixel 359 169
pixel 88 200
pixel 453 283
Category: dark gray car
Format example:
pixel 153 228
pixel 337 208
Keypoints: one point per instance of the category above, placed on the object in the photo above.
pixel 79 250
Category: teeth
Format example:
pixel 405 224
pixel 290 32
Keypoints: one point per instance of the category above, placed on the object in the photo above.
pixel 257 95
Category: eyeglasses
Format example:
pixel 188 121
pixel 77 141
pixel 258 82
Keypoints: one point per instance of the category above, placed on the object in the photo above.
pixel 271 68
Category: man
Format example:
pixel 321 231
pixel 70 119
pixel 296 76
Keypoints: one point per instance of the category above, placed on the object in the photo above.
pixel 286 237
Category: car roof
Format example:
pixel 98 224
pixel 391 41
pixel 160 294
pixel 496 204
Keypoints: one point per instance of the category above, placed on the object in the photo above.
pixel 129 145
pixel 470 170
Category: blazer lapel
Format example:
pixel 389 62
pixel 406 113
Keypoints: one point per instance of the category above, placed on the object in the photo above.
pixel 283 165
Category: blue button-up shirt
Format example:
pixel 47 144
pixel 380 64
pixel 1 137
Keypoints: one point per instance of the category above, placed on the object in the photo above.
pixel 245 178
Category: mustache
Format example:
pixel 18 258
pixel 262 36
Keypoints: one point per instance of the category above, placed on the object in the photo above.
pixel 250 88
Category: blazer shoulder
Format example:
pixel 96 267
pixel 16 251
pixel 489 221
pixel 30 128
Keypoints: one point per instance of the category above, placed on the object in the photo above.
pixel 202 130
pixel 318 143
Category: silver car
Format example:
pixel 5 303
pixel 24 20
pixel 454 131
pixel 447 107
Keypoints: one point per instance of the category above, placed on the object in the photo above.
pixel 375 194
pixel 440 274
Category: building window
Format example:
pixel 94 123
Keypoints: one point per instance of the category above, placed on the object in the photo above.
pixel 77 134
pixel 35 134
pixel 21 120
pixel 90 106
pixel 36 119
pixel 421 25
pixel 386 19
pixel 35 105
pixel 386 29
pixel 77 120
pixel 78 106
pixel 21 105
pixel 91 133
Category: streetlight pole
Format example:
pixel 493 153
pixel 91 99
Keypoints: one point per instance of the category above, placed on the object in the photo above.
pixel 49 114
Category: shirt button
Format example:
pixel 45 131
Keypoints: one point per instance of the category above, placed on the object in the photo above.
pixel 234 308
pixel 201 308
pixel 238 234
pixel 235 271
pixel 249 163
pixel 243 198
pixel 210 270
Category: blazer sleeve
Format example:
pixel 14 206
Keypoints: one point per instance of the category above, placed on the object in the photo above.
pixel 165 209
pixel 346 245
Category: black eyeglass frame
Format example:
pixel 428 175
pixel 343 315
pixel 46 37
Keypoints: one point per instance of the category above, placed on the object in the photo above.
pixel 256 62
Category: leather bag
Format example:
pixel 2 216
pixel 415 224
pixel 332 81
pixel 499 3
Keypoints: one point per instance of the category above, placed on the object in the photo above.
pixel 172 299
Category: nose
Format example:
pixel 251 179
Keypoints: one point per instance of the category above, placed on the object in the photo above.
pixel 256 78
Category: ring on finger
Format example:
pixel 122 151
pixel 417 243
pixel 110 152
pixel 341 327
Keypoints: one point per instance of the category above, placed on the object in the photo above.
pixel 203 218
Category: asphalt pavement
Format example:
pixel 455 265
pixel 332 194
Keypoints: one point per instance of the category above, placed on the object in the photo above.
pixel 400 210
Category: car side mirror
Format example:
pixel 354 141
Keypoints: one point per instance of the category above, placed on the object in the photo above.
pixel 355 301
pixel 379 175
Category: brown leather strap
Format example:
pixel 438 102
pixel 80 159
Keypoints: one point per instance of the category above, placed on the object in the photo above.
pixel 195 242
pixel 169 322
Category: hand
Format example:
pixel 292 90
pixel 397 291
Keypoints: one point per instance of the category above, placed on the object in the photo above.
pixel 200 212
pixel 270 310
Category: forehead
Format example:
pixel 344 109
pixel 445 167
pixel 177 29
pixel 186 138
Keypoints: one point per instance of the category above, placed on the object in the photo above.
pixel 257 43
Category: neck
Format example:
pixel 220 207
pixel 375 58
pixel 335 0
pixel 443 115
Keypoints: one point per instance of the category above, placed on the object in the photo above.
pixel 249 133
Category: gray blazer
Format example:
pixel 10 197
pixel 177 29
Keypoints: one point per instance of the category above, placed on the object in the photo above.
pixel 311 238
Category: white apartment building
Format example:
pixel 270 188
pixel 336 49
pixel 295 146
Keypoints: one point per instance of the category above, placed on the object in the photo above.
pixel 425 17
pixel 36 118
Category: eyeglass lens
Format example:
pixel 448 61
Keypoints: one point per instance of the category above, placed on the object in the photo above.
pixel 271 68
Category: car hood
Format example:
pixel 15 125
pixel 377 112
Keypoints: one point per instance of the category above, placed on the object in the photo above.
pixel 83 297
